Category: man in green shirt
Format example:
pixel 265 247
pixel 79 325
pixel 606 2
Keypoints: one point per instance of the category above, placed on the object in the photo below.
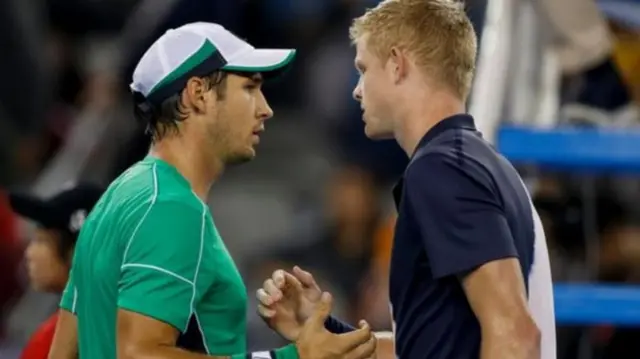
pixel 151 276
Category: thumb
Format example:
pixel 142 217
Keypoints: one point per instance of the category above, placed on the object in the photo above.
pixel 304 277
pixel 322 310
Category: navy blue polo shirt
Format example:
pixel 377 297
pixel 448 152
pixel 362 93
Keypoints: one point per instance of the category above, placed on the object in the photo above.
pixel 460 205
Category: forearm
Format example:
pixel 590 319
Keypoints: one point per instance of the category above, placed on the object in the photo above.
pixel 518 346
pixel 386 345
pixel 65 339
pixel 159 352
pixel 168 352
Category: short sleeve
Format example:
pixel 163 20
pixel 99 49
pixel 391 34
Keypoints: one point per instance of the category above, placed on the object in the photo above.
pixel 68 300
pixel 161 263
pixel 461 222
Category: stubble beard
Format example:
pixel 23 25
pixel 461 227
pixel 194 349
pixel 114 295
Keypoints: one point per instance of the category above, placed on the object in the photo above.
pixel 222 142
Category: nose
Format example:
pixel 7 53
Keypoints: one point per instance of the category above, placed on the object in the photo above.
pixel 264 110
pixel 357 92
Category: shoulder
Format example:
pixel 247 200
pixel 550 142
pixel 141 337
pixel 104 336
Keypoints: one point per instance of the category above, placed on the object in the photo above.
pixel 170 231
pixel 457 152
pixel 445 179
pixel 145 192
pixel 172 214
pixel 440 173
pixel 40 342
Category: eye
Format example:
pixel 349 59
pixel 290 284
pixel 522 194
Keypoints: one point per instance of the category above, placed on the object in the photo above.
pixel 251 86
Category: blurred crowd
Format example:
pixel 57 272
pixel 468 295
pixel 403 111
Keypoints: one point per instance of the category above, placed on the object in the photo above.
pixel 319 193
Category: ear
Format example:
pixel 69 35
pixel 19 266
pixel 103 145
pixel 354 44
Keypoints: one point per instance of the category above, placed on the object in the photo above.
pixel 194 94
pixel 398 63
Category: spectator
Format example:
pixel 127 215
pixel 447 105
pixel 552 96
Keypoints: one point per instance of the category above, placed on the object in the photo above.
pixel 597 93
pixel 49 253
pixel 10 256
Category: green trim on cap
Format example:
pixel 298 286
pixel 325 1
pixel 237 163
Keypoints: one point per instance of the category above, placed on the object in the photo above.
pixel 204 52
pixel 277 66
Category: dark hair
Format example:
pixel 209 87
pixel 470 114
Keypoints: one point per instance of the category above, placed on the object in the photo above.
pixel 163 119
pixel 65 245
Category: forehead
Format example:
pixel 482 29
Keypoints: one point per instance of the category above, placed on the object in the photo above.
pixel 245 76
pixel 364 57
pixel 362 48
pixel 46 235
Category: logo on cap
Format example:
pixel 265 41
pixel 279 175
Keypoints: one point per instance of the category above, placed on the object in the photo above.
pixel 77 220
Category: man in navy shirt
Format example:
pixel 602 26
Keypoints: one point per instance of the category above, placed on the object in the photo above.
pixel 470 275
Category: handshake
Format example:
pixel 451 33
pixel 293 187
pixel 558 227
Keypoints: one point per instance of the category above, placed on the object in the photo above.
pixel 293 305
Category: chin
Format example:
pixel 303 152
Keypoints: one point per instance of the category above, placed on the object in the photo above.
pixel 242 157
pixel 372 134
pixel 44 287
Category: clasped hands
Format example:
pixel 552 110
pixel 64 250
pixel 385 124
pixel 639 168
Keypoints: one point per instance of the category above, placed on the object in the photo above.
pixel 293 305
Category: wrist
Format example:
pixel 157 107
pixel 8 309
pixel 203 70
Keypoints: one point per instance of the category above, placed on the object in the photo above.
pixel 288 352
pixel 336 326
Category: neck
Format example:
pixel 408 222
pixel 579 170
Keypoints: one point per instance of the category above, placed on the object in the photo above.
pixel 192 163
pixel 421 114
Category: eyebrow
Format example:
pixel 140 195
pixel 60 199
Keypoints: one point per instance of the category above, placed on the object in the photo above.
pixel 257 78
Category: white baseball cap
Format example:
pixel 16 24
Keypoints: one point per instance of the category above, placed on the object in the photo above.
pixel 198 49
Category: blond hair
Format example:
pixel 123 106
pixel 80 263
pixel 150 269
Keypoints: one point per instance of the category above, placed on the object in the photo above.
pixel 436 33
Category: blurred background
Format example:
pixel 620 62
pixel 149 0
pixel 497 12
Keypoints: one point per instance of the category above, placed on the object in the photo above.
pixel 557 90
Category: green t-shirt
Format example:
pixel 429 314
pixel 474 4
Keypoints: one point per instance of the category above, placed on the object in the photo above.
pixel 150 246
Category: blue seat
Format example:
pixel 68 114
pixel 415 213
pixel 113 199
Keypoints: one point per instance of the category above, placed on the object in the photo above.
pixel 572 149
pixel 626 12
pixel 589 304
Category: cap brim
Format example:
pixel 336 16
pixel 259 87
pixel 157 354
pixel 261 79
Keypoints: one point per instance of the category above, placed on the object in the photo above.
pixel 262 60
pixel 33 208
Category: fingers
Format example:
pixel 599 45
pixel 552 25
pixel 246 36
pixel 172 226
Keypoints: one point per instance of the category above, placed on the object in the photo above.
pixel 322 311
pixel 265 312
pixel 284 280
pixel 278 277
pixel 304 277
pixel 350 341
pixel 364 351
pixel 272 290
pixel 264 298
